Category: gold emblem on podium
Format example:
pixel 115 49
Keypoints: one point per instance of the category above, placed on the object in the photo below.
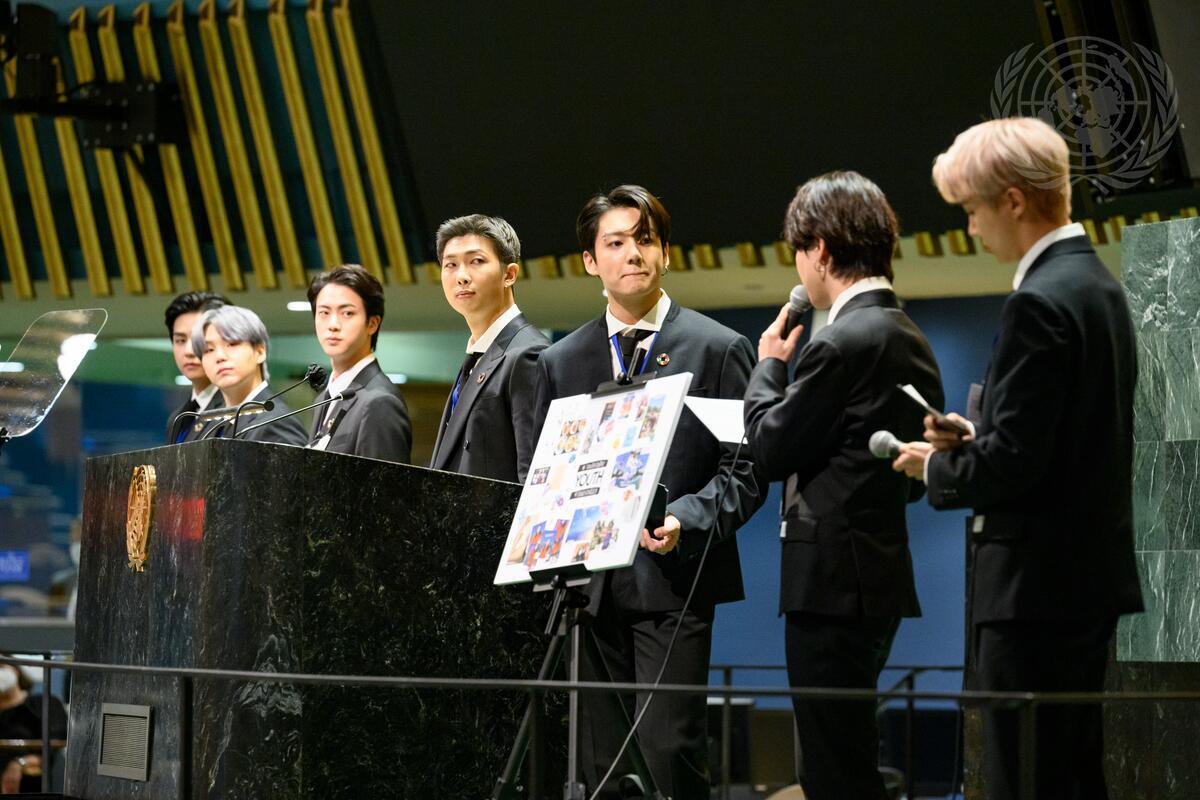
pixel 139 516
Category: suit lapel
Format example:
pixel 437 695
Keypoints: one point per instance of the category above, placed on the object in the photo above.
pixel 668 337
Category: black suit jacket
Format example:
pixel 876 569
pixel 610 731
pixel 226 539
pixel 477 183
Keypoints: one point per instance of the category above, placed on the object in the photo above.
pixel 216 401
pixel 491 434
pixel 697 465
pixel 845 538
pixel 373 424
pixel 1049 474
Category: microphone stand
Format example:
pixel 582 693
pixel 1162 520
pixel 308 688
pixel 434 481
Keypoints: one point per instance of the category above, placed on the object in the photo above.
pixel 341 396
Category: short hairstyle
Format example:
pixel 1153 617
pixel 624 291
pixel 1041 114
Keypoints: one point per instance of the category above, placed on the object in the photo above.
pixel 234 324
pixel 654 219
pixel 1021 152
pixel 495 229
pixel 852 216
pixel 363 283
pixel 190 302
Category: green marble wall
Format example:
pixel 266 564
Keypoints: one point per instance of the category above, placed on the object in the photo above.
pixel 1160 265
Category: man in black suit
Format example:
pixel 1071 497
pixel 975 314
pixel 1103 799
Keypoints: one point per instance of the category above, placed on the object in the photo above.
pixel 347 305
pixel 487 424
pixel 1047 468
pixel 624 236
pixel 847 575
pixel 181 318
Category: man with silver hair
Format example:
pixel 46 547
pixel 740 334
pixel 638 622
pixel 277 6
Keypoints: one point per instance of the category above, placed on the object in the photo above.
pixel 487 424
pixel 231 342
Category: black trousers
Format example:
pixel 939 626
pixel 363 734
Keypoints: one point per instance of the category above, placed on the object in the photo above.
pixel 1045 657
pixel 839 739
pixel 673 734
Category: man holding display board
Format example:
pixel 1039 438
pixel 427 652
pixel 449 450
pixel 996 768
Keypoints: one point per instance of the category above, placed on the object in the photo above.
pixel 624 236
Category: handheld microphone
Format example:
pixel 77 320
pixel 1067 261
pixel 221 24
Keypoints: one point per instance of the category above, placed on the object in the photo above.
pixel 798 304
pixel 346 395
pixel 884 444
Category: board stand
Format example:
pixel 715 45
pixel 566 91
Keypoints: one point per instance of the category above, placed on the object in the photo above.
pixel 567 628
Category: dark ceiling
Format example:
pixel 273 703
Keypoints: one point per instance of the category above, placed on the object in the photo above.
pixel 721 108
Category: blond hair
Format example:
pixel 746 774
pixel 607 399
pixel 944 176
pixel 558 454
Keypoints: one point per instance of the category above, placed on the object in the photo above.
pixel 1021 152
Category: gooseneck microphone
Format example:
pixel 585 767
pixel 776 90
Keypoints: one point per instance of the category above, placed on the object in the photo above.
pixel 346 395
pixel 798 304
pixel 884 444
pixel 315 376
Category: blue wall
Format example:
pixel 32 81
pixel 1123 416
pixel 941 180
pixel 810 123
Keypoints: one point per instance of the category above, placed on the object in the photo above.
pixel 961 331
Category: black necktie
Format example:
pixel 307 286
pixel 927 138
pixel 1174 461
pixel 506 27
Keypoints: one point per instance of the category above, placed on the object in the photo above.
pixel 628 344
pixel 468 366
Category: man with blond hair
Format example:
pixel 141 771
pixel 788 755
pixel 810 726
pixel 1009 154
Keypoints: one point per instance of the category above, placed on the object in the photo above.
pixel 1046 467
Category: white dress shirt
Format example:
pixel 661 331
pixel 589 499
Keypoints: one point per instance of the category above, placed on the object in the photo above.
pixel 336 386
pixel 653 321
pixel 202 399
pixel 871 284
pixel 482 344
pixel 1068 231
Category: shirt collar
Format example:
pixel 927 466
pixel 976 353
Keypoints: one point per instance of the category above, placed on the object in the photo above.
pixel 484 342
pixel 861 286
pixel 1067 231
pixel 205 397
pixel 257 390
pixel 653 321
pixel 342 382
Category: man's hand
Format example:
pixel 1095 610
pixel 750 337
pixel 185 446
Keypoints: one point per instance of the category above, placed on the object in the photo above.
pixel 772 344
pixel 912 458
pixel 946 438
pixel 664 538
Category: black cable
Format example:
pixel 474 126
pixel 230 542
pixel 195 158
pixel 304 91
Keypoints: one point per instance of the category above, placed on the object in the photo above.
pixel 678 624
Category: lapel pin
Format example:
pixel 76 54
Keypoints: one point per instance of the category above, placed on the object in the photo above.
pixel 479 378
pixel 663 359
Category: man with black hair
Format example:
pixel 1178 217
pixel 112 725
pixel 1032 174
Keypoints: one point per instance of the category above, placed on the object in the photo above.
pixel 181 317
pixel 347 307
pixel 635 611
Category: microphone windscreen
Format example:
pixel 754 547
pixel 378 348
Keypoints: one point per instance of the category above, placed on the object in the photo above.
pixel 884 445
pixel 316 376
pixel 798 300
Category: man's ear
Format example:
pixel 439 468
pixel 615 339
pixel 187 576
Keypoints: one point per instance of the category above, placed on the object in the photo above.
pixel 510 274
pixel 823 256
pixel 373 324
pixel 589 263
pixel 1014 201
pixel 260 353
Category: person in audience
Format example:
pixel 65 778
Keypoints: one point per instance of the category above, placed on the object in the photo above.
pixel 21 719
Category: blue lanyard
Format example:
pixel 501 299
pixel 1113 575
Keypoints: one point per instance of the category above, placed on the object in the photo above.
pixel 620 360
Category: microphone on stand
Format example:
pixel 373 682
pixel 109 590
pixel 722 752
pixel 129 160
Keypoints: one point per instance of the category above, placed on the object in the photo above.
pixel 884 444
pixel 346 395
pixel 798 304
pixel 315 376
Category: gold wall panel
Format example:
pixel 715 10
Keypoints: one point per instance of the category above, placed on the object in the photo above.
pixel 264 146
pixel 749 255
pixel 106 167
pixel 960 242
pixel 928 244
pixel 10 233
pixel 678 258
pixel 206 168
pixel 143 199
pixel 39 194
pixel 381 187
pixel 172 167
pixel 339 125
pixel 545 267
pixel 81 203
pixel 706 256
pixel 235 147
pixel 306 148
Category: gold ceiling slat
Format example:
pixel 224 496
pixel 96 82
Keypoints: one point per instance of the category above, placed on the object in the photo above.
pixel 335 108
pixel 172 167
pixel 206 168
pixel 106 167
pixel 235 147
pixel 39 195
pixel 10 233
pixel 81 203
pixel 306 148
pixel 264 146
pixel 381 187
pixel 143 199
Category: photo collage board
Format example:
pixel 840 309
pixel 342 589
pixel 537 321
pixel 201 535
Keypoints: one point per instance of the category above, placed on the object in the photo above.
pixel 593 478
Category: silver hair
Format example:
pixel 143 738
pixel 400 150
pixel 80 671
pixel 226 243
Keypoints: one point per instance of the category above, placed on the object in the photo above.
pixel 234 324
pixel 495 229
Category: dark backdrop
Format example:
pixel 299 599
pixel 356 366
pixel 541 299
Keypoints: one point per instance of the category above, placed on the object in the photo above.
pixel 720 108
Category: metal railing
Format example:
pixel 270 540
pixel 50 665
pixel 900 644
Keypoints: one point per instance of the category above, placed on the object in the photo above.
pixel 1025 704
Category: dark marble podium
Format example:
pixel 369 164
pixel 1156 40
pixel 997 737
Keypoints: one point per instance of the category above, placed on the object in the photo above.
pixel 273 558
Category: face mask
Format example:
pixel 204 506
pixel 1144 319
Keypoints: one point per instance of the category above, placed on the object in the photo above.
pixel 8 680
